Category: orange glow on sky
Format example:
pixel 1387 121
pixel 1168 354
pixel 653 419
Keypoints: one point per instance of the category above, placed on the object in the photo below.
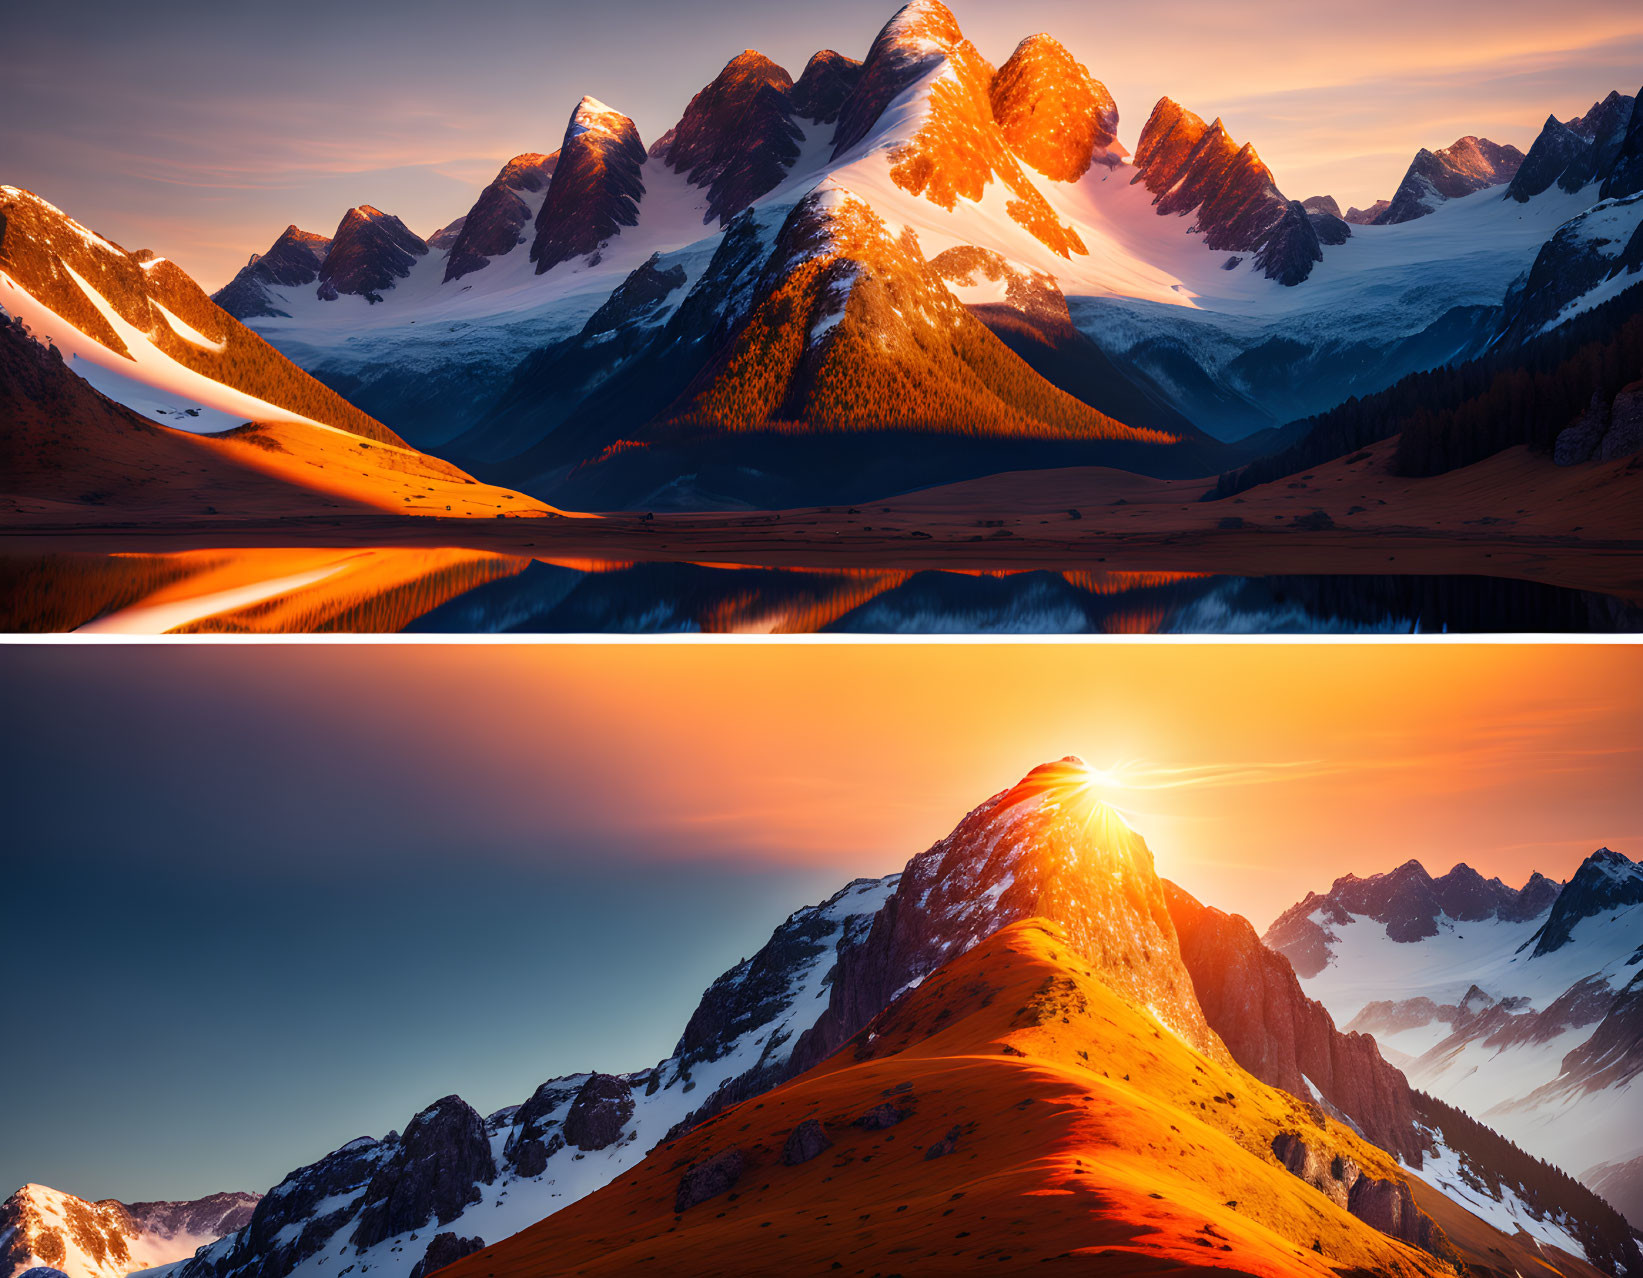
pixel 1254 772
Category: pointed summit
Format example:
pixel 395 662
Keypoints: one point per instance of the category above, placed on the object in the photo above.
pixel 596 185
pixel 1050 848
pixel 371 252
pixel 293 261
pixel 737 137
pixel 1467 165
pixel 497 222
pixel 827 81
pixel 1054 114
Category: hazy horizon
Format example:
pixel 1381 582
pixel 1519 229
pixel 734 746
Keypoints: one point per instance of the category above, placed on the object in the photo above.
pixel 206 130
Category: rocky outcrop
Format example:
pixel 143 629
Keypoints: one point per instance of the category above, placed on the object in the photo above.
pixel 1053 113
pixel 445 1249
pixel 432 1174
pixel 709 1179
pixel 1045 848
pixel 1252 999
pixel 1322 204
pixel 1369 216
pixel 737 137
pixel 828 79
pixel 1470 164
pixel 501 216
pixel 292 261
pixel 1408 901
pixel 1293 248
pixel 1607 430
pixel 1605 881
pixel 596 188
pixel 600 1112
pixel 806 1141
pixel 1191 167
pixel 370 253
pixel 1383 1204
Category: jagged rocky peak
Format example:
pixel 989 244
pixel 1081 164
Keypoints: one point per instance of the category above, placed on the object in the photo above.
pixel 371 252
pixel 1048 847
pixel 1366 217
pixel 294 260
pixel 1575 153
pixel 1606 880
pixel 596 187
pixel 1408 902
pixel 499 219
pixel 1191 167
pixel 1469 164
pixel 737 137
pixel 1054 114
pixel 942 143
pixel 1323 204
pixel 918 37
pixel 1625 174
pixel 827 81
pixel 433 1173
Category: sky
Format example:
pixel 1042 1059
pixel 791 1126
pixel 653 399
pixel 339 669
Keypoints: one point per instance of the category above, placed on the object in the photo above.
pixel 201 129
pixel 262 899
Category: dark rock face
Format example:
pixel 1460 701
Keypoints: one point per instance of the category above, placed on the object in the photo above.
pixel 1386 1205
pixel 370 252
pixel 1323 204
pixel 445 1249
pixel 946 1145
pixel 806 1141
pixel 1367 217
pixel 1605 881
pixel 737 137
pixel 293 261
pixel 827 80
pixel 911 43
pixel 500 217
pixel 1329 229
pixel 636 299
pixel 285 1227
pixel 1252 999
pixel 599 1113
pixel 596 188
pixel 433 1174
pixel 1193 167
pixel 1558 149
pixel 1625 174
pixel 709 1179
pixel 1408 901
pixel 1605 431
pixel 1039 849
pixel 1292 250
pixel 1469 165
pixel 1052 112
pixel 1579 257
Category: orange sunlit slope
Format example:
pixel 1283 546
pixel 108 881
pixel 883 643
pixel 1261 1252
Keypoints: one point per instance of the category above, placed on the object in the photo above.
pixel 1046 1124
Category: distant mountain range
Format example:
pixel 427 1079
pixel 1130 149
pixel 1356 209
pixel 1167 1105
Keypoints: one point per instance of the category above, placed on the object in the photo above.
pixel 1523 1006
pixel 1041 904
pixel 48 1232
pixel 584 332
pixel 907 270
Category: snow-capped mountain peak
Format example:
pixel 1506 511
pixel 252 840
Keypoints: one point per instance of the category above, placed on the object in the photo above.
pixel 42 1226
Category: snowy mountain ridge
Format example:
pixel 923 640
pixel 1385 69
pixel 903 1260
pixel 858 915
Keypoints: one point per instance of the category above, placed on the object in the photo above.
pixel 41 1227
pixel 1521 1007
